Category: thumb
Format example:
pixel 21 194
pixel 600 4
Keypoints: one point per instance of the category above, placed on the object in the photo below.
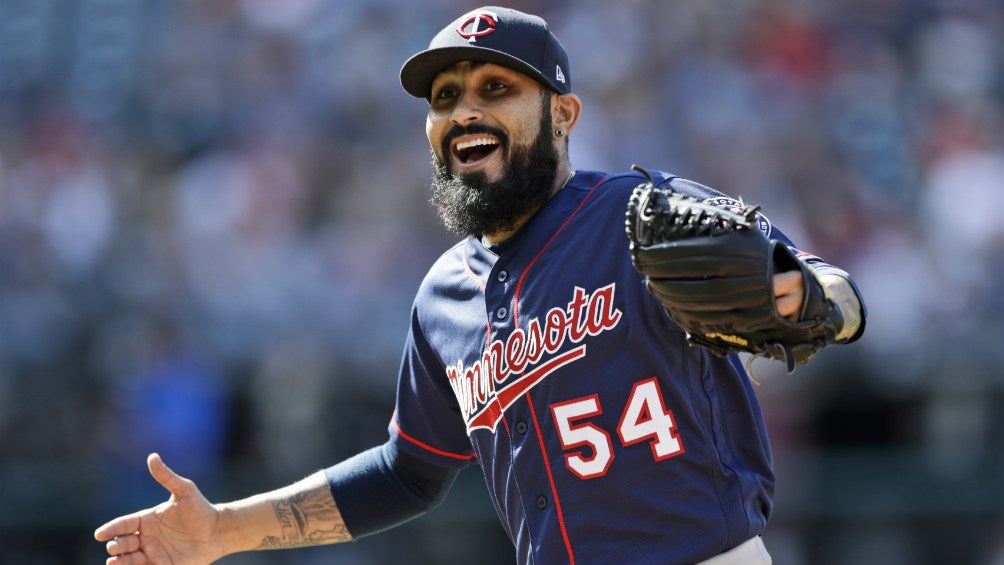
pixel 173 482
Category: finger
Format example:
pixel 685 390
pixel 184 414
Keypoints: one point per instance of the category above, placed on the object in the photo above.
pixel 123 544
pixel 173 482
pixel 128 559
pixel 118 527
pixel 789 306
pixel 787 282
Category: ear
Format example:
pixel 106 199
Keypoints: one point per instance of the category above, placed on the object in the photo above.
pixel 565 111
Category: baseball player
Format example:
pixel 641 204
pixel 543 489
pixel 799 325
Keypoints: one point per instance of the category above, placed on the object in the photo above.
pixel 542 348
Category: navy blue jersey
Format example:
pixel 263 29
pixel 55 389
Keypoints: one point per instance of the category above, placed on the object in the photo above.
pixel 604 437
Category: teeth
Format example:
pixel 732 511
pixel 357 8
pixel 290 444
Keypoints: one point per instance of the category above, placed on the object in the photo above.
pixel 475 143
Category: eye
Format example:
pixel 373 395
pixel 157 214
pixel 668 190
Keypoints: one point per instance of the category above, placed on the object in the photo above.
pixel 495 86
pixel 445 93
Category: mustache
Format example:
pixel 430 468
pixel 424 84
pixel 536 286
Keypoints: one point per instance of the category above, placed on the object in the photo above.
pixel 456 131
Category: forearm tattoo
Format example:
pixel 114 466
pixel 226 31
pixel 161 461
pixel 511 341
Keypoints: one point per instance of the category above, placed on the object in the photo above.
pixel 308 518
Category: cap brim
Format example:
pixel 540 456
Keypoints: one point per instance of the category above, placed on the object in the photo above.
pixel 419 72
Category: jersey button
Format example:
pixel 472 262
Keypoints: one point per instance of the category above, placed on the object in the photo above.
pixel 501 313
pixel 521 427
pixel 502 276
pixel 541 502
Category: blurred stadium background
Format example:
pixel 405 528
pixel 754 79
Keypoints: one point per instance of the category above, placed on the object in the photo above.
pixel 213 218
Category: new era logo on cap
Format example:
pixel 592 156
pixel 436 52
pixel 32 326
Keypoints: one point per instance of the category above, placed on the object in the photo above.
pixel 491 34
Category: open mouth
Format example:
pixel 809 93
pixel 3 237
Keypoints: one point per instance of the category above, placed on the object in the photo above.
pixel 472 150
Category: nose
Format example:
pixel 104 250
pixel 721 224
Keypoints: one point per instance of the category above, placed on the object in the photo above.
pixel 466 111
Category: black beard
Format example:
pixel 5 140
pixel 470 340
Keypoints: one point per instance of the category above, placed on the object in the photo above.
pixel 469 204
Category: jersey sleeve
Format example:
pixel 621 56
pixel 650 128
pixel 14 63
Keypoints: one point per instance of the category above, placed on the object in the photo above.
pixel 384 487
pixel 427 423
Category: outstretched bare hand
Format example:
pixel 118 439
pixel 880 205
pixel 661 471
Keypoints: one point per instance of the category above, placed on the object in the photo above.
pixel 180 531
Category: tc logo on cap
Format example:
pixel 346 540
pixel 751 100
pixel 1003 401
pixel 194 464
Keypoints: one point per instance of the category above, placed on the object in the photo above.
pixel 470 29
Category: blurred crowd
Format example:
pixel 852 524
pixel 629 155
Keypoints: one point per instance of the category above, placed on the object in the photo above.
pixel 213 218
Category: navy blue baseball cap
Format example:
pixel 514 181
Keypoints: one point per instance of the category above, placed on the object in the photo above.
pixel 492 34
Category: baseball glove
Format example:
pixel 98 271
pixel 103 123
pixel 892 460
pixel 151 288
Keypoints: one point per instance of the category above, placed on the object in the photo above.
pixel 712 269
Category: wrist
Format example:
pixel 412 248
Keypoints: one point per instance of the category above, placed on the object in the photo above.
pixel 845 300
pixel 234 529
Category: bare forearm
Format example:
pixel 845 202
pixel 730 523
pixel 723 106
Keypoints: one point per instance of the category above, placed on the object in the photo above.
pixel 298 515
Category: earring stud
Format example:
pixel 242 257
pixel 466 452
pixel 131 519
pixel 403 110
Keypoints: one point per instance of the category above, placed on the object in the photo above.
pixel 559 132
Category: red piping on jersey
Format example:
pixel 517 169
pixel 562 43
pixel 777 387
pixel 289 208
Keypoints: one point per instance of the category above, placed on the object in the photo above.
pixel 529 399
pixel 425 446
pixel 519 285
pixel 550 479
